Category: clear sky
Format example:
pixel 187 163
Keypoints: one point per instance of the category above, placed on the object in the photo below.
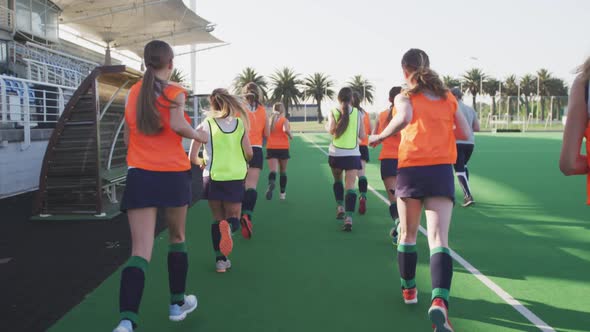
pixel 343 38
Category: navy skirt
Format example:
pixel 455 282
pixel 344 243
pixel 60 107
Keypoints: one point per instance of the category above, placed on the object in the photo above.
pixel 226 191
pixel 346 163
pixel 364 153
pixel 425 181
pixel 156 189
pixel 280 154
pixel 388 168
pixel 257 160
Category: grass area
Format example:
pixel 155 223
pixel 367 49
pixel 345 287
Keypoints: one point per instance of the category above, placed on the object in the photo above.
pixel 306 127
pixel 528 232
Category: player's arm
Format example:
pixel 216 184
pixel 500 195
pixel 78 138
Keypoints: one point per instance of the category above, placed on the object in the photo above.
pixel 178 123
pixel 571 162
pixel 266 132
pixel 247 148
pixel 462 128
pixel 287 129
pixel 475 124
pixel 331 125
pixel 402 118
pixel 362 133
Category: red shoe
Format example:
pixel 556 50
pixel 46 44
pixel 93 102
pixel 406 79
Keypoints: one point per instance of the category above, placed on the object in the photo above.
pixel 439 316
pixel 226 244
pixel 363 205
pixel 410 295
pixel 246 227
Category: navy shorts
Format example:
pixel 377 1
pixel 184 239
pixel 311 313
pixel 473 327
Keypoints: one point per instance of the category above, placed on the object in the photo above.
pixel 388 168
pixel 257 158
pixel 464 152
pixel 156 189
pixel 425 181
pixel 280 154
pixel 346 163
pixel 226 191
pixel 364 153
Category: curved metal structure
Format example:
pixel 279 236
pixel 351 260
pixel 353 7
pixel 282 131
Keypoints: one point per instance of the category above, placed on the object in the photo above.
pixel 85 159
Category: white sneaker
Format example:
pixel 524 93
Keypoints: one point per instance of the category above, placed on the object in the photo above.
pixel 124 326
pixel 178 313
pixel 222 266
pixel 283 196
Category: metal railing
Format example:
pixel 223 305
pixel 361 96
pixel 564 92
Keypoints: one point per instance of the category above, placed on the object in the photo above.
pixel 44 72
pixel 7 19
pixel 26 103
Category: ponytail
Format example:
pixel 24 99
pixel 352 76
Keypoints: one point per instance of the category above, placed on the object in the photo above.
pixel 157 56
pixel 345 97
pixel 277 110
pixel 396 90
pixel 417 64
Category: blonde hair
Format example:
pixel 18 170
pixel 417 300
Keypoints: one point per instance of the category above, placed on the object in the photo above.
pixel 417 64
pixel 224 104
pixel 584 70
pixel 278 109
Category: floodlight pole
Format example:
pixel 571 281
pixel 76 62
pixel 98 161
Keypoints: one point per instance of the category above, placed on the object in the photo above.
pixel 193 7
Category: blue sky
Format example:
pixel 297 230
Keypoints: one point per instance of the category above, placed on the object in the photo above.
pixel 344 38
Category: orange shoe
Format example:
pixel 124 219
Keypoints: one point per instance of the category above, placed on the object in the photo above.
pixel 439 316
pixel 246 227
pixel 226 244
pixel 410 295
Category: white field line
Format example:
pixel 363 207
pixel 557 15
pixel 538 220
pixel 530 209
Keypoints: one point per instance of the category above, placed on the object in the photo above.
pixel 524 311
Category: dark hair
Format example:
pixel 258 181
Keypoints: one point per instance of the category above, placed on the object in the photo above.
pixel 417 64
pixel 396 90
pixel 157 55
pixel 356 101
pixel 253 89
pixel 345 98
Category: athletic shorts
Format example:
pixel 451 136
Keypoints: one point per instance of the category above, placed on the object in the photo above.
pixel 156 189
pixel 464 152
pixel 364 152
pixel 346 163
pixel 257 158
pixel 425 181
pixel 226 191
pixel 388 168
pixel 280 154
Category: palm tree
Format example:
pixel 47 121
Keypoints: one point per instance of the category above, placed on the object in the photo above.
pixel 249 75
pixel 178 76
pixel 318 86
pixel 491 87
pixel 363 86
pixel 451 82
pixel 528 87
pixel 544 77
pixel 510 89
pixel 285 83
pixel 472 81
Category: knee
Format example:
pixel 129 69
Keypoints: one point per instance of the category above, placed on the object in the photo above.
pixel 408 236
pixel 176 237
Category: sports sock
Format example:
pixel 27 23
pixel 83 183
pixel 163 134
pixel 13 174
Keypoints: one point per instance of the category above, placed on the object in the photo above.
pixel 467 172
pixel 339 192
pixel 350 202
pixel 393 211
pixel 272 177
pixel 249 202
pixel 407 259
pixel 234 224
pixel 177 271
pixel 131 288
pixel 283 181
pixel 363 186
pixel 463 180
pixel 441 272
pixel 216 239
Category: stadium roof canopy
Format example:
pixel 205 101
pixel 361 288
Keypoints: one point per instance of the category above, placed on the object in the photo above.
pixel 130 24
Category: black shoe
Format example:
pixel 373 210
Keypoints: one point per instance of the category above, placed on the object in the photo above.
pixel 271 188
pixel 468 201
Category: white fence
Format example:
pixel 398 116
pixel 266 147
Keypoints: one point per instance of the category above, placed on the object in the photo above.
pixel 26 103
